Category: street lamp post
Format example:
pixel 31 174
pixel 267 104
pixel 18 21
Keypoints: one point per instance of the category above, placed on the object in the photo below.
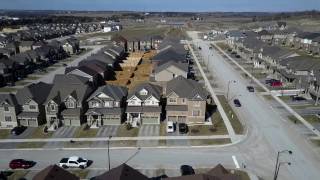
pixel 231 81
pixel 277 162
pixel 280 163
pixel 109 151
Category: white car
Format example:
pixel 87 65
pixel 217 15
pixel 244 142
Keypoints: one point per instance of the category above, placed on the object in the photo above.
pixel 74 162
pixel 170 127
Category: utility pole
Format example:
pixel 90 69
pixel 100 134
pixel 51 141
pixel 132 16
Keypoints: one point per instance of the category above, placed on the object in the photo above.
pixel 109 151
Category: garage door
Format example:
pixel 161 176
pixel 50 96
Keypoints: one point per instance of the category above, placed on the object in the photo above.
pixel 150 120
pixel 172 118
pixel 33 123
pixel 182 119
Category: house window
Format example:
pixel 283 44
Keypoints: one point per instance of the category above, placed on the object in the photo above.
pixel 6 108
pixel 32 107
pixel 143 92
pixel 107 104
pixel 70 104
pixel 195 112
pixel 196 103
pixel 52 107
pixel 172 100
pixel 183 100
pixel 8 118
pixel 95 104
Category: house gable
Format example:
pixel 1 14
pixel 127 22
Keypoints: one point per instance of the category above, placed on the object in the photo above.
pixel 134 101
pixel 151 101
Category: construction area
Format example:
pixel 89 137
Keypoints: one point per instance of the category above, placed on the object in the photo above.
pixel 136 69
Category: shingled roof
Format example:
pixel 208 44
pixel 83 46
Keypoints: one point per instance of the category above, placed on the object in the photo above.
pixel 186 88
pixel 54 172
pixel 115 92
pixel 152 89
pixel 37 92
pixel 180 65
pixel 122 172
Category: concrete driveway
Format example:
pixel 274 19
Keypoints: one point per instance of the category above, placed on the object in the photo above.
pixel 148 130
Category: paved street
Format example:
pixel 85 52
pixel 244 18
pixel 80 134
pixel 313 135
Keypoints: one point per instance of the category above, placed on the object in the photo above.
pixel 273 131
pixel 48 78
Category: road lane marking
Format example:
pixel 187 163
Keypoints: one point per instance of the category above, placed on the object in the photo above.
pixel 235 162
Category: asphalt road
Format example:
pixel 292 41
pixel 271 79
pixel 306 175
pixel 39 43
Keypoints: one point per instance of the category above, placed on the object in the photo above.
pixel 268 132
pixel 275 133
pixel 48 78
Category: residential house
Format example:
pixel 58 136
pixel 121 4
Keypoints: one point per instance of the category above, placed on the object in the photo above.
pixel 170 70
pixel 25 46
pixel 121 41
pixel 7 71
pixel 186 101
pixel 54 172
pixel 167 55
pixel 66 102
pixel 265 36
pixel 234 35
pixel 102 68
pixel 282 25
pixel 144 105
pixel 6 53
pixel 304 41
pixel 106 106
pixel 94 77
pixel 122 172
pixel 30 100
pixel 71 45
pixel 8 111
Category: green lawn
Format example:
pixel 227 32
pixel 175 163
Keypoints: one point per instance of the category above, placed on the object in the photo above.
pixel 163 129
pixel 132 143
pixel 30 145
pixel 88 133
pixel 203 142
pixel 17 174
pixel 4 133
pixel 310 118
pixel 268 97
pixel 236 124
pixel 243 175
pixel 285 98
pixel 223 46
pixel 124 132
pixel 7 89
pixel 38 133
pixel 82 174
pixel 32 78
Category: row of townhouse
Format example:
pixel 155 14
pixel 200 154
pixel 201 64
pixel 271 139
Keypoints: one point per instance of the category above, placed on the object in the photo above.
pixel 138 43
pixel 72 100
pixel 30 56
pixel 293 70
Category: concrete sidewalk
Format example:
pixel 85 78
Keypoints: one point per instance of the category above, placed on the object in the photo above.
pixel 116 138
pixel 288 108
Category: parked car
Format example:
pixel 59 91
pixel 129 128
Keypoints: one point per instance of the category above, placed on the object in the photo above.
pixel 298 98
pixel 210 47
pixel 186 170
pixel 18 130
pixel 270 81
pixel 21 164
pixel 250 88
pixel 237 102
pixel 65 65
pixel 233 52
pixel 276 84
pixel 199 48
pixel 73 162
pixel 170 127
pixel 183 128
pixel 237 56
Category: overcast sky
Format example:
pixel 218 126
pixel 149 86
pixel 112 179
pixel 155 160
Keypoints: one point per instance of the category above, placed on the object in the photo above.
pixel 164 5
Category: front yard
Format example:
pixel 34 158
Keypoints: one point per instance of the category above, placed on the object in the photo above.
pixel 206 142
pixel 38 133
pixel 85 133
pixel 312 119
pixel 236 124
pixel 124 131
pixel 4 133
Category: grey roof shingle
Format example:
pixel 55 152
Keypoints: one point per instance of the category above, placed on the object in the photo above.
pixel 37 92
pixel 154 90
pixel 186 88
pixel 115 92
pixel 180 65
pixel 65 85
pixel 8 98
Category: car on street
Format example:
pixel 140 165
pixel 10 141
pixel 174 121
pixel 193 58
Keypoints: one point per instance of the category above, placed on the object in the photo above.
pixel 74 162
pixel 170 127
pixel 237 56
pixel 18 130
pixel 65 65
pixel 186 170
pixel 21 164
pixel 210 47
pixel 237 102
pixel 250 88
pixel 183 128
pixel 199 48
